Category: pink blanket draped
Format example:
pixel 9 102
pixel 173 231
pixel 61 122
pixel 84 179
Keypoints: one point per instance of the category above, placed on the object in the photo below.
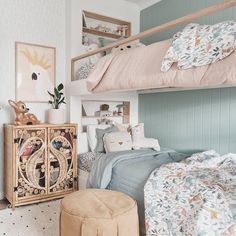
pixel 139 68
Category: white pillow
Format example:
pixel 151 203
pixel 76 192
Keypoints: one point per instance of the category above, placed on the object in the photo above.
pixel 146 143
pixel 139 140
pixel 91 134
pixel 117 141
pixel 137 132
pixel 122 127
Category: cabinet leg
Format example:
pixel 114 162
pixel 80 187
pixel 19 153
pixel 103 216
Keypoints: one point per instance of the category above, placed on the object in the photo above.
pixel 12 206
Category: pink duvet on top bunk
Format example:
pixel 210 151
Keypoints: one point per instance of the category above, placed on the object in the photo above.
pixel 139 68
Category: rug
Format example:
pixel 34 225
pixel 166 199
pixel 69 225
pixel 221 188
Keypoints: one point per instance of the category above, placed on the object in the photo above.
pixel 40 219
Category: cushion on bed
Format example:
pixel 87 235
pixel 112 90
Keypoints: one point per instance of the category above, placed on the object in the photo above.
pixel 117 141
pixel 147 143
pixel 91 134
pixel 140 141
pixel 85 160
pixel 137 132
pixel 99 135
pixel 122 127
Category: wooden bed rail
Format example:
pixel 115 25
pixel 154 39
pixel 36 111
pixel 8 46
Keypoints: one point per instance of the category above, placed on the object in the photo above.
pixel 180 21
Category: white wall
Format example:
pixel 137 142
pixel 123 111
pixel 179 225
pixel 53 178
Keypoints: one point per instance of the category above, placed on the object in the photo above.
pixel 33 21
pixel 118 9
pixel 55 23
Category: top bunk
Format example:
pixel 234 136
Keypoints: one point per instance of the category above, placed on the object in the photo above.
pixel 149 68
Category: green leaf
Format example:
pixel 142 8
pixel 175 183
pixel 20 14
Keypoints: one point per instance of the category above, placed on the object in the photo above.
pixel 62 101
pixel 51 94
pixel 56 92
pixel 60 87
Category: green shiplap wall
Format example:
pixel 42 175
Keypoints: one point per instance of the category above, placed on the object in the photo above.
pixel 168 10
pixel 188 120
pixel 191 120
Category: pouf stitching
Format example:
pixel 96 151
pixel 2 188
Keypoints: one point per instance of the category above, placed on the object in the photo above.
pixel 69 213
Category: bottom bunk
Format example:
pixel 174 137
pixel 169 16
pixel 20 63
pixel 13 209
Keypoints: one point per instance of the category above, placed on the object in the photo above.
pixel 145 176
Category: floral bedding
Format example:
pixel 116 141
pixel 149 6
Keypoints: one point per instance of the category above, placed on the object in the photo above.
pixel 198 45
pixel 193 197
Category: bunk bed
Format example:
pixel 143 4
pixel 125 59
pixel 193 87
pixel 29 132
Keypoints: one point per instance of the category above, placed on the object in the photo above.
pixel 138 69
pixel 122 170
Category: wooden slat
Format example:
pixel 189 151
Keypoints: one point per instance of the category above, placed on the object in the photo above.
pixel 100 33
pixel 163 27
pixel 99 17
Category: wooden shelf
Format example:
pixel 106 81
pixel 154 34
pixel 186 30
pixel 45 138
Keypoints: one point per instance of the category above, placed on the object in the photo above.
pixel 90 108
pixel 101 116
pixel 108 19
pixel 101 33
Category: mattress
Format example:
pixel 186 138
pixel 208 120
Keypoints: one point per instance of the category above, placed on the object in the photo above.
pixel 128 172
pixel 139 68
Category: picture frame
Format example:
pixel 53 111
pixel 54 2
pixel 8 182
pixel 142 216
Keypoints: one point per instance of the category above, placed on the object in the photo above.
pixel 35 71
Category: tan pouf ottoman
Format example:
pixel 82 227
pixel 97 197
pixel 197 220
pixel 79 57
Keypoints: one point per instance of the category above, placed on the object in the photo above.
pixel 98 212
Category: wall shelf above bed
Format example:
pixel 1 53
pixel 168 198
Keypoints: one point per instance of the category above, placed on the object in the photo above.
pixel 105 26
pixel 92 112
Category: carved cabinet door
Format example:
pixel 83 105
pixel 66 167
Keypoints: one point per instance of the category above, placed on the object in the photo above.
pixel 61 166
pixel 31 163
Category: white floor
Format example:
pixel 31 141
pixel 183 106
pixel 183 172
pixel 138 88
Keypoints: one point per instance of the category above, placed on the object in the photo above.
pixel 33 220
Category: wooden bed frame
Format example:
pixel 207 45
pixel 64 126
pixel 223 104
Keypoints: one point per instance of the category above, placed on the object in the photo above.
pixel 166 26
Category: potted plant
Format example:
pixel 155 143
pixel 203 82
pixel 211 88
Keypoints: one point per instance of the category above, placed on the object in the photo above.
pixel 56 115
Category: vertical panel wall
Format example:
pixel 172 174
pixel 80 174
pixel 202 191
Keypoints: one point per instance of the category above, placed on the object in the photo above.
pixel 188 120
pixel 168 10
pixel 191 120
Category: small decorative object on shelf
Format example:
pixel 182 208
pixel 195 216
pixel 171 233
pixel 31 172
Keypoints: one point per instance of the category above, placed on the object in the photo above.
pixel 102 28
pixel 115 113
pixel 104 107
pixel 22 115
pixel 119 112
pixel 40 162
pixel 104 111
pixel 105 121
pixel 56 115
pixel 122 30
pixel 108 27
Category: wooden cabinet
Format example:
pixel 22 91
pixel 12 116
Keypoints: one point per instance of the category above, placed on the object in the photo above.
pixel 39 162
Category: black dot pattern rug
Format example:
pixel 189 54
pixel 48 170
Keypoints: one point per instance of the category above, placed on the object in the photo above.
pixel 33 220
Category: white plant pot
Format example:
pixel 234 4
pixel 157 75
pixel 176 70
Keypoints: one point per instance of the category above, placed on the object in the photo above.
pixel 56 116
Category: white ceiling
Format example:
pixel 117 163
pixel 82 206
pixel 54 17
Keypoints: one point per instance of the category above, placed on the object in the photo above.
pixel 144 3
